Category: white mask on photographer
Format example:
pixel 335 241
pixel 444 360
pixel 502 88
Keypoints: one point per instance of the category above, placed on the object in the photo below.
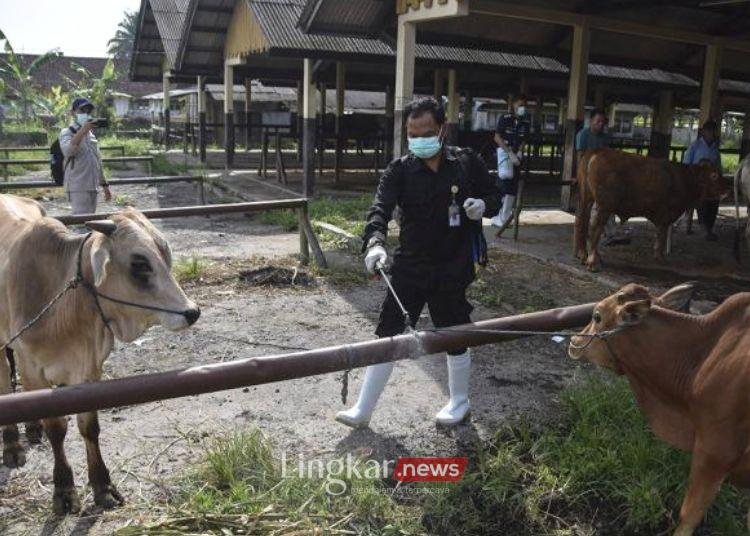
pixel 82 117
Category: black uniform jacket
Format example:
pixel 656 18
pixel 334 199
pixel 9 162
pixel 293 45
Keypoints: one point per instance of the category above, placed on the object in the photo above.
pixel 431 254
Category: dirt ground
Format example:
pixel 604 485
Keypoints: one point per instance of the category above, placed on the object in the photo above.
pixel 148 447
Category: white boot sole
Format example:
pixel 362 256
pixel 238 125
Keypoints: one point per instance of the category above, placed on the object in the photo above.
pixel 453 420
pixel 352 422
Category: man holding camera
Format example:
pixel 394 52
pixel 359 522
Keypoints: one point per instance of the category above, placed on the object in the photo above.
pixel 84 173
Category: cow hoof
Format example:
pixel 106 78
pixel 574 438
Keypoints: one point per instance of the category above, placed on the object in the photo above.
pixel 108 497
pixel 65 501
pixel 34 433
pixel 14 456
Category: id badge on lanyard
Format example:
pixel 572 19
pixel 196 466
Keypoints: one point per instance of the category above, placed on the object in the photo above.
pixel 454 213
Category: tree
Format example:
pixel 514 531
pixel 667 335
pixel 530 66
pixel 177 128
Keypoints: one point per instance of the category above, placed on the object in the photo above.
pixel 121 45
pixel 19 76
pixel 97 87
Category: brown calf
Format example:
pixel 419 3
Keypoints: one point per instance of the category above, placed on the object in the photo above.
pixel 691 377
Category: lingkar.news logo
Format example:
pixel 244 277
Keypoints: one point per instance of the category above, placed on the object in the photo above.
pixel 337 472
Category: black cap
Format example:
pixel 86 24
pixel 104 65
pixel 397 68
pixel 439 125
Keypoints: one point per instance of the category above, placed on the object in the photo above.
pixel 80 102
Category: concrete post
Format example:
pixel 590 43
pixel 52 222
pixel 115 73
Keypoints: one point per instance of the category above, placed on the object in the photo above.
pixel 438 82
pixel 389 102
pixel 166 104
pixel 661 126
pixel 340 96
pixel 468 111
pixel 710 85
pixel 248 111
pixel 308 129
pixel 300 128
pixel 454 103
pixel 202 118
pixel 405 43
pixel 576 99
pixel 322 128
pixel 229 114
pixel 599 97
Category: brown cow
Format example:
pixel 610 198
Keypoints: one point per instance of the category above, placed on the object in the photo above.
pixel 628 186
pixel 691 377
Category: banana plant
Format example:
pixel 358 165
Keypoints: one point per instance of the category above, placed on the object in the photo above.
pixel 19 74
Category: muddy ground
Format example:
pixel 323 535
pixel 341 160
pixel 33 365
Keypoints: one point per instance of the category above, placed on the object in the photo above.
pixel 148 447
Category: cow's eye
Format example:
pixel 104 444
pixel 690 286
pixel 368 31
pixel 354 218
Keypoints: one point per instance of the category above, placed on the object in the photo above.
pixel 140 268
pixel 597 317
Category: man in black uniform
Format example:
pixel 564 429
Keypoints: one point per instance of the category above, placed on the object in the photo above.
pixel 442 192
pixel 511 134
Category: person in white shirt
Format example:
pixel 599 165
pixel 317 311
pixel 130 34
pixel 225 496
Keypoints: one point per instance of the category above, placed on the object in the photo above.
pixel 84 173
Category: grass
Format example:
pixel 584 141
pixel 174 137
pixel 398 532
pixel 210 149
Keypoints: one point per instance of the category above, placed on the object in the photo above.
pixel 133 146
pixel 161 165
pixel 123 200
pixel 486 291
pixel 349 214
pixel 592 468
pixel 188 269
pixel 241 489
pixel 598 468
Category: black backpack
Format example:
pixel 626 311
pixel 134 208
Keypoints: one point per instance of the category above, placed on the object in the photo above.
pixel 57 162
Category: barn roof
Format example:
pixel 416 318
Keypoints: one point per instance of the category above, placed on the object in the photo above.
pixel 368 47
pixel 668 34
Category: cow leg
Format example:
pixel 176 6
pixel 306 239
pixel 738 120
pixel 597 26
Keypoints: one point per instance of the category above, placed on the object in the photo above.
pixel 105 493
pixel 13 454
pixel 64 499
pixel 689 221
pixel 581 226
pixel 706 477
pixel 594 262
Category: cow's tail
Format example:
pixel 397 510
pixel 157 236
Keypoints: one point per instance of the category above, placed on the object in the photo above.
pixel 737 231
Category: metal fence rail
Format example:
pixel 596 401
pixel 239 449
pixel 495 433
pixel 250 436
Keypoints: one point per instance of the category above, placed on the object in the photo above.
pixel 307 238
pixel 149 160
pixel 33 405
pixel 167 179
pixel 7 150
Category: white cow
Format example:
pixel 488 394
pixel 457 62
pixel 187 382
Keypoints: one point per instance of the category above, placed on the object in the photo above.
pixel 125 258
pixel 741 186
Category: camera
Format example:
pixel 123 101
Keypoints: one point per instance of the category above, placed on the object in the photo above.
pixel 100 122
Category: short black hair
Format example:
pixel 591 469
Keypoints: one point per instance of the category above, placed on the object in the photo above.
pixel 424 105
pixel 598 111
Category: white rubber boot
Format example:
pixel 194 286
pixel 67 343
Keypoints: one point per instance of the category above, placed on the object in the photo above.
pixel 459 371
pixel 509 203
pixel 358 416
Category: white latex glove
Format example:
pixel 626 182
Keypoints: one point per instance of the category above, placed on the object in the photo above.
pixel 514 158
pixel 474 208
pixel 376 258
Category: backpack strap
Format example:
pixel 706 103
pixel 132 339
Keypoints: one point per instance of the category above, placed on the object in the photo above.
pixel 70 160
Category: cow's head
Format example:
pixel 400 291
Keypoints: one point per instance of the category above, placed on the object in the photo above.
pixel 131 261
pixel 627 307
pixel 712 185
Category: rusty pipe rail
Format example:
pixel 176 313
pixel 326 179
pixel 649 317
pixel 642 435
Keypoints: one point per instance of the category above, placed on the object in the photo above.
pixel 33 405
pixel 196 210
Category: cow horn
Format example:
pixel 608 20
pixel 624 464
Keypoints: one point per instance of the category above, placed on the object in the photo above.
pixel 106 227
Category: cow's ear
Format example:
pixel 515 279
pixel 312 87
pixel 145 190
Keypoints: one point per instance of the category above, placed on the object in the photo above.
pixel 677 298
pixel 633 312
pixel 99 262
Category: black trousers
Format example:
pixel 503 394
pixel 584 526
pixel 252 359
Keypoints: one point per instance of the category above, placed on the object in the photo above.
pixel 707 213
pixel 447 308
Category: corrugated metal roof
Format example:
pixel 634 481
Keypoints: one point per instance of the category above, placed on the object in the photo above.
pixel 354 18
pixel 278 20
pixel 171 17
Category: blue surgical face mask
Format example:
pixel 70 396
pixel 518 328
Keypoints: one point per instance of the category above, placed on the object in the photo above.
pixel 81 118
pixel 425 147
pixel 521 111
